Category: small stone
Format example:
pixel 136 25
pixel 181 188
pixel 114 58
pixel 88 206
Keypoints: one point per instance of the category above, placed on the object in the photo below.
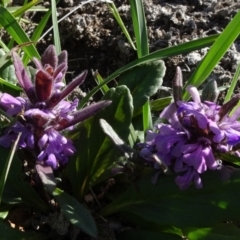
pixel 193 58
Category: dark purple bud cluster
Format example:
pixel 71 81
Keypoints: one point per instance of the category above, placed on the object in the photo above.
pixel 44 111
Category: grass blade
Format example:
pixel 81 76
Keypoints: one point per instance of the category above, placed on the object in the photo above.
pixel 38 31
pixel 160 54
pixel 13 28
pixel 20 11
pixel 140 30
pixel 147 117
pixel 56 35
pixel 218 49
pixel 7 165
pixel 118 18
pixel 233 85
pixel 139 25
pixel 98 78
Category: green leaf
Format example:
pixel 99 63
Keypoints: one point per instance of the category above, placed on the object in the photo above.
pixel 144 81
pixel 159 104
pixel 146 235
pixel 8 79
pixel 234 82
pixel 95 152
pixel 230 158
pixel 16 189
pixel 147 116
pixel 219 232
pixel 216 52
pixel 47 176
pixel 210 91
pixel 8 74
pixel 164 204
pixel 8 233
pixel 13 28
pixel 75 212
pixel 9 88
pixel 7 165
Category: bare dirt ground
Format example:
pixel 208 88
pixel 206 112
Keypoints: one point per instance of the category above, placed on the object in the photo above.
pixel 94 40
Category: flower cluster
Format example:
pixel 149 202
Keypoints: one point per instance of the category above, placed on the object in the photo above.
pixel 43 113
pixel 193 135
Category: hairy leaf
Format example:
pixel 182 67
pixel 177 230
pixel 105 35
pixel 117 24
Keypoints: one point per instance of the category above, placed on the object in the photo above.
pixel 144 81
pixel 75 212
pixel 164 204
pixel 95 152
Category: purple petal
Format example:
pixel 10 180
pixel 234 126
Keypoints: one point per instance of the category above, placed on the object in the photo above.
pixel 37 63
pixel 42 141
pixel 218 133
pixel 43 85
pixel 72 85
pixel 23 77
pixel 62 57
pixel 52 161
pixel 169 113
pixel 7 140
pixel 194 93
pixel 209 158
pixel 10 104
pixel 50 57
pixel 38 117
pixel 60 72
pixel 177 85
pixel 195 159
pixel 185 180
pixel 85 113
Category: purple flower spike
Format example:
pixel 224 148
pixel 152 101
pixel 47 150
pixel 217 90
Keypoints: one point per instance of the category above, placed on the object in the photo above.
pixel 43 113
pixel 196 131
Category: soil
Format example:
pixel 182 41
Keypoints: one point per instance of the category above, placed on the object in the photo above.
pixel 94 40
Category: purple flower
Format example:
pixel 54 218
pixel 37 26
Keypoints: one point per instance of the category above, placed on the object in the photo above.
pixel 43 114
pixel 196 131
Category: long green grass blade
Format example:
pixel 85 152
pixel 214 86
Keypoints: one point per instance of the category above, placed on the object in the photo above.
pixel 139 25
pixel 118 18
pixel 13 28
pixel 147 118
pixel 216 52
pixel 56 35
pixel 38 31
pixel 7 165
pixel 160 54
pixel 140 30
pixel 233 84
pixel 98 78
pixel 19 11
pixel 14 9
